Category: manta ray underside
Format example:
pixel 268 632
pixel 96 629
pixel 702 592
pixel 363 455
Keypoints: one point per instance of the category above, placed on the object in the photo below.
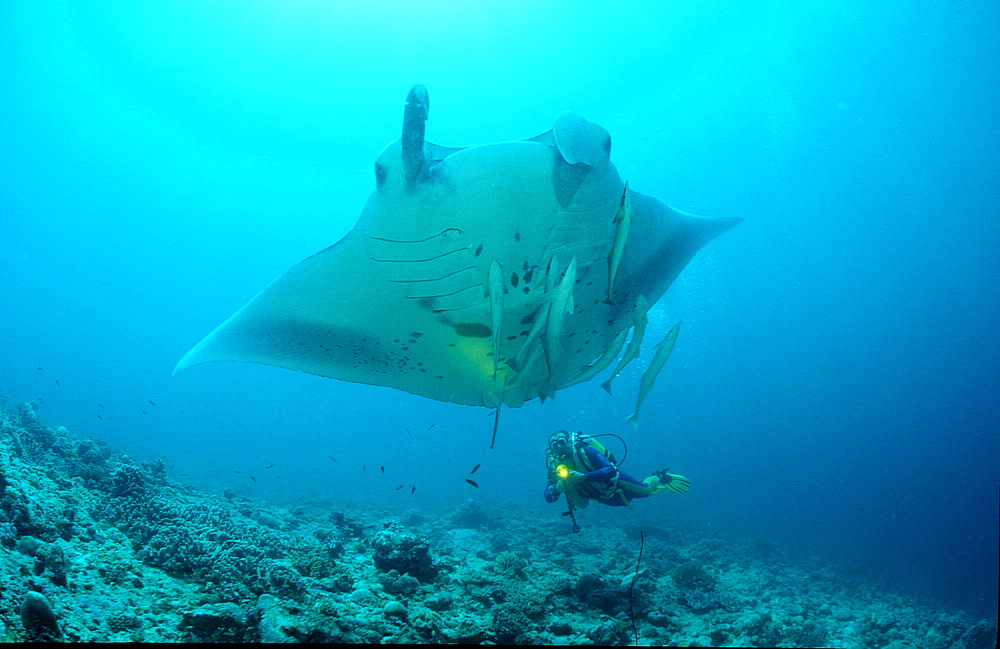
pixel 483 276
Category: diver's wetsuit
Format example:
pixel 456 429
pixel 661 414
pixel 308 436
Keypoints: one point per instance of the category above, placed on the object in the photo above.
pixel 605 472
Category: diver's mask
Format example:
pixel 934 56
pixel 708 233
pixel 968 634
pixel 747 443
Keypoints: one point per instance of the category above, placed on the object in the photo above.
pixel 560 448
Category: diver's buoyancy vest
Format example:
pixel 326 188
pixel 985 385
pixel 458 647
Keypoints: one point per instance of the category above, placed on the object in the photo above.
pixel 600 490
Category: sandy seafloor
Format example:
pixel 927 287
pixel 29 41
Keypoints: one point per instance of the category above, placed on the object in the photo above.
pixel 95 546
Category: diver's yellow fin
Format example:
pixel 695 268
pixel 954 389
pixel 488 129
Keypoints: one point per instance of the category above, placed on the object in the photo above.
pixel 676 483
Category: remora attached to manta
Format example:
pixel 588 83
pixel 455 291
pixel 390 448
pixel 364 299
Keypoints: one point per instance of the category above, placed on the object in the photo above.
pixel 483 276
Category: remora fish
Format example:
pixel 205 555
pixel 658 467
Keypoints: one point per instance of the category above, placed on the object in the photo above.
pixel 663 350
pixel 495 279
pixel 593 370
pixel 623 221
pixel 639 320
pixel 562 304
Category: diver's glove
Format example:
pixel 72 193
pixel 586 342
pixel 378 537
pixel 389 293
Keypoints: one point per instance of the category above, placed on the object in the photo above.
pixel 571 479
pixel 675 483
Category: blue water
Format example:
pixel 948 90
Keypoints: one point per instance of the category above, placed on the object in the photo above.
pixel 835 386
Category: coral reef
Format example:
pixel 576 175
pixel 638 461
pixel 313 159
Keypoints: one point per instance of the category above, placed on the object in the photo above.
pixel 510 623
pixel 38 618
pixel 98 547
pixel 401 551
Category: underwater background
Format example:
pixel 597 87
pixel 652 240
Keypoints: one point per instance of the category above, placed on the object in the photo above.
pixel 834 389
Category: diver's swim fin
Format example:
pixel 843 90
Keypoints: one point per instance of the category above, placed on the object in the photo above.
pixel 675 483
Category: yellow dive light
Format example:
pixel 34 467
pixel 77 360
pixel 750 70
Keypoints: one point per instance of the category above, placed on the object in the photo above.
pixel 562 471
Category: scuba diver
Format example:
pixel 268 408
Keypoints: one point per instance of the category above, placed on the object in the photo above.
pixel 583 469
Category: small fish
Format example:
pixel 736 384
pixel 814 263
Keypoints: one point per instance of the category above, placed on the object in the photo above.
pixel 400 487
pixel 595 368
pixel 622 222
pixel 237 472
pixel 100 417
pixel 334 459
pixel 152 403
pixel 144 412
pixel 254 479
pixel 382 469
pixel 475 468
pixel 57 382
pixel 39 368
pixel 100 405
pixel 364 468
pixel 473 483
pixel 561 305
pixel 663 350
pixel 413 489
pixel 494 292
pixel 429 427
pixel 408 432
pixel 639 322
pixel 269 466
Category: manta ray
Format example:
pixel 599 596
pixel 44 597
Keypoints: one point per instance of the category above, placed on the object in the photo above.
pixel 485 275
